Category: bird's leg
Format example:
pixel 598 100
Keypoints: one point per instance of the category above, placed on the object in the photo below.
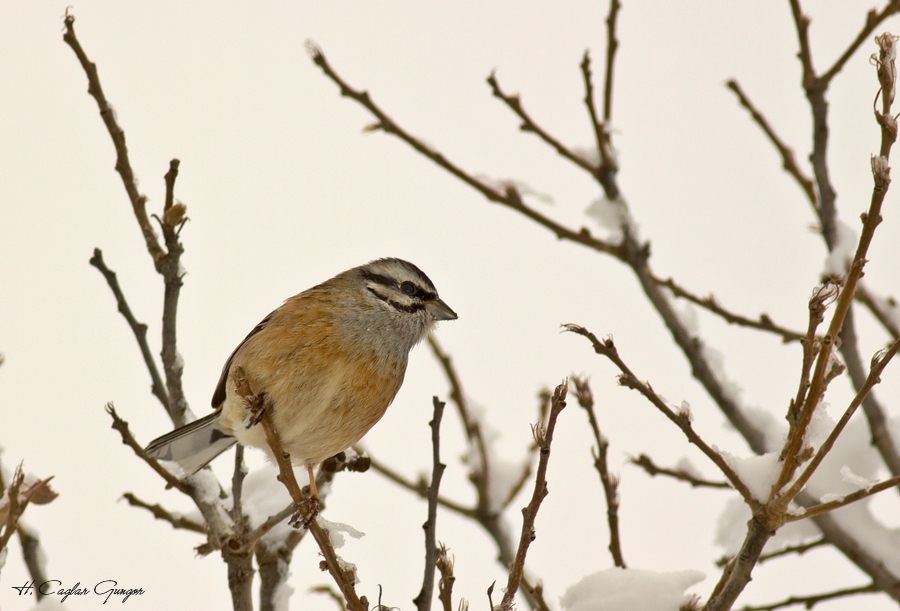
pixel 308 508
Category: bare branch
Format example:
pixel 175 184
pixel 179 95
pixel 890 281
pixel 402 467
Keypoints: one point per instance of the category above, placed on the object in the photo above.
pixel 123 165
pixel 871 219
pixel 612 45
pixel 790 549
pixel 681 419
pixel 544 436
pixel 843 501
pixel 161 513
pixel 873 20
pixel 867 298
pixel 423 600
pixel 585 399
pixel 138 328
pixel 606 172
pixel 128 439
pixel 788 161
pixel 218 530
pixel 647 464
pixel 472 427
pixel 811 601
pixel 880 361
pixel 306 507
pixel 764 323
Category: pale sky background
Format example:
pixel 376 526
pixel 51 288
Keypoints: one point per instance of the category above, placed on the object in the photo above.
pixel 284 190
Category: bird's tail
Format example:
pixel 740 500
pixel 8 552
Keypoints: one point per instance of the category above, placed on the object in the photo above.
pixel 193 445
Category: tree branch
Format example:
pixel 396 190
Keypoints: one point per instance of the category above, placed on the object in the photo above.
pixel 423 600
pixel 138 328
pixel 123 165
pixel 681 419
pixel 161 513
pixel 544 436
pixel 811 601
pixel 610 483
pixel 764 323
pixel 647 464
pixel 788 161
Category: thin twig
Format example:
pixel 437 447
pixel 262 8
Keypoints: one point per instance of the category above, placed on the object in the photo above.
pixel 844 500
pixel 218 529
pixel 423 600
pixel 683 420
pixel 610 483
pixel 420 488
pixel 647 464
pixel 873 20
pixel 612 45
pixel 871 219
pixel 123 165
pixel 128 439
pixel 763 323
pixel 879 363
pixel 606 171
pixel 161 513
pixel 171 270
pixel 472 427
pixel 788 161
pixel 138 328
pixel 812 600
pixel 543 434
pixel 868 299
pixel 237 488
pixel 799 549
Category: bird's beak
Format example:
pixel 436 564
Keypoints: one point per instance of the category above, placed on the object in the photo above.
pixel 440 310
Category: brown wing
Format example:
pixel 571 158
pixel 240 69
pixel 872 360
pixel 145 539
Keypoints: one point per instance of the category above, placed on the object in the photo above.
pixel 219 395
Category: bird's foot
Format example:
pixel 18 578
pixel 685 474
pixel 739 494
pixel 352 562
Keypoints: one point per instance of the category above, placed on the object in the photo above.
pixel 307 511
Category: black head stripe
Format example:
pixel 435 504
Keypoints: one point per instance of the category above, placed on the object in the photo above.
pixel 415 306
pixel 377 278
pixel 424 293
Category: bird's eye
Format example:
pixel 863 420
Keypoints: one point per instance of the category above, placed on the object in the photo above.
pixel 408 288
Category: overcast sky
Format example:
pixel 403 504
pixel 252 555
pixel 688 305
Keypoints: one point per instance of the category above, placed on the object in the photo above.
pixel 284 190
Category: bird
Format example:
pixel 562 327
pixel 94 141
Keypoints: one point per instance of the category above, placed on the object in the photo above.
pixel 329 361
